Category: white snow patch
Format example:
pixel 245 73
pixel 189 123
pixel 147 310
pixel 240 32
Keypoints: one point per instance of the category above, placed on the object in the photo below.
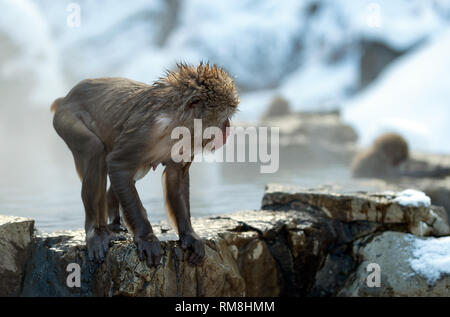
pixel 317 86
pixel 431 258
pixel 412 197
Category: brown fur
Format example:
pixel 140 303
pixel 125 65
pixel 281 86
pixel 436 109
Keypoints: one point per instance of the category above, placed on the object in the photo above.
pixel 120 128
pixel 382 158
pixel 54 105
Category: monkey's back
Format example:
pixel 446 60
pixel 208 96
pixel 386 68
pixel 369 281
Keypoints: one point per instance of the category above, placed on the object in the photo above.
pixel 105 96
pixel 104 104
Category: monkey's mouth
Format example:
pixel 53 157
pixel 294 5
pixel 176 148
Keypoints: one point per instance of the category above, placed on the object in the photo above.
pixel 225 131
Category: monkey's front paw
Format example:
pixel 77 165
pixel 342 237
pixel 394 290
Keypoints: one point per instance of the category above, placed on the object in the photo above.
pixel 193 243
pixel 97 241
pixel 117 228
pixel 149 247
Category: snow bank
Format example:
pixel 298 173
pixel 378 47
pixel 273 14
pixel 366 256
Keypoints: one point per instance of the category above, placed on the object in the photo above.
pixel 318 86
pixel 308 56
pixel 256 41
pixel 431 257
pixel 399 24
pixel 411 197
pixel 411 97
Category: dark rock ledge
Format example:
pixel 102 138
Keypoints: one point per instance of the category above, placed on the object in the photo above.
pixel 302 243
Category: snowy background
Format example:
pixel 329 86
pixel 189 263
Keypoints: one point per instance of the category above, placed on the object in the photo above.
pixel 385 64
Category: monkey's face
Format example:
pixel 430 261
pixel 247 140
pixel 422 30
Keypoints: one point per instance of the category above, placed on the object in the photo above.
pixel 211 96
pixel 217 112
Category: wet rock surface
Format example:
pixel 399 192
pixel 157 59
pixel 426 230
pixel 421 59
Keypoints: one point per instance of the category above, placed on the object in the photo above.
pixel 437 189
pixel 385 241
pixel 244 251
pixel 15 247
pixel 302 243
pixel 382 208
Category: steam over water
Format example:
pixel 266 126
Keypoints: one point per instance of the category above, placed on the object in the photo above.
pixel 38 178
pixel 37 174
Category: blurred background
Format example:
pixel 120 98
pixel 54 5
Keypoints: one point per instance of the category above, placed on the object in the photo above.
pixel 346 71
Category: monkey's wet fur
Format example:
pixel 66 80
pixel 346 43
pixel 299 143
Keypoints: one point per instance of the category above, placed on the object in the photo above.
pixel 122 128
pixel 385 157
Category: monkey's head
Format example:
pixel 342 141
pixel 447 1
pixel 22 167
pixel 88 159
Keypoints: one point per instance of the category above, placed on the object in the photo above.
pixel 393 146
pixel 202 92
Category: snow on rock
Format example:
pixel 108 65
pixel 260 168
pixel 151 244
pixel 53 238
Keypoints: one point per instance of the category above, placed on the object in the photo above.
pixel 410 266
pixel 431 257
pixel 411 197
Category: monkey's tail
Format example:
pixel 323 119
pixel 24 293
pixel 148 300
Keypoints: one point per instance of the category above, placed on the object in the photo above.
pixel 54 105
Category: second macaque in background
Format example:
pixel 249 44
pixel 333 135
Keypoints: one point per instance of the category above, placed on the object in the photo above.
pixel 389 157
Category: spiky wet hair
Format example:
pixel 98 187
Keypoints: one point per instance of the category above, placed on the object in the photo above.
pixel 204 91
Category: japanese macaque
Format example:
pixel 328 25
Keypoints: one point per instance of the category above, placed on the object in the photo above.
pixel 277 107
pixel 389 157
pixel 121 128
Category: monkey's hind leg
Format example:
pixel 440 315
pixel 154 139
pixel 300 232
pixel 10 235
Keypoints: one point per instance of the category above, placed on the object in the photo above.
pixel 89 155
pixel 114 212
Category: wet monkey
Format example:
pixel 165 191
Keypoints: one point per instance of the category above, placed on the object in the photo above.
pixel 387 158
pixel 381 159
pixel 120 128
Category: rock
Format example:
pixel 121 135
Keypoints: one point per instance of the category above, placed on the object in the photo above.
pixel 46 273
pixel 303 243
pixel 15 247
pixel 248 253
pixel 257 265
pixel 343 270
pixel 317 126
pixel 437 189
pixel 402 267
pixel 375 56
pixel 332 276
pixel 432 161
pixel 232 249
pixel 383 208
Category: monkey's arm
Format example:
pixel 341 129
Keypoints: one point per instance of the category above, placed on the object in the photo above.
pixel 176 193
pixel 122 164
